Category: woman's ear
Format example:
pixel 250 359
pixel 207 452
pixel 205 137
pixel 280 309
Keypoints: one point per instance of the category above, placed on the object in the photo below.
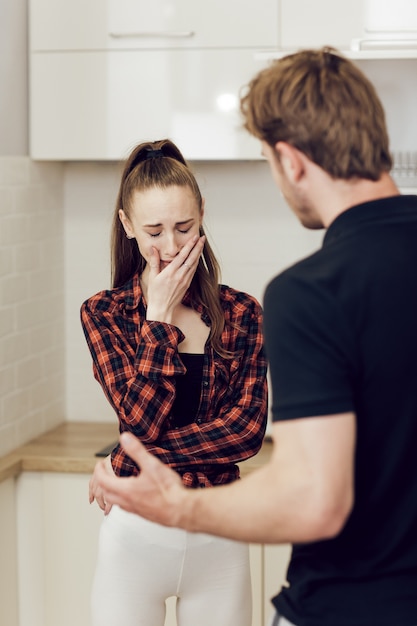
pixel 126 224
pixel 203 205
pixel 291 161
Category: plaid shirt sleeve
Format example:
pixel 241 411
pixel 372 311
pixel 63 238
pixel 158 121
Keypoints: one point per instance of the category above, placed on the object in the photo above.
pixel 139 383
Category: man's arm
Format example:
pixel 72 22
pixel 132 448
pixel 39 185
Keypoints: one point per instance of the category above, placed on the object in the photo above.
pixel 305 493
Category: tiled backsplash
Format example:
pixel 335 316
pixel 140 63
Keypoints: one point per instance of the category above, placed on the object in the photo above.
pixel 32 337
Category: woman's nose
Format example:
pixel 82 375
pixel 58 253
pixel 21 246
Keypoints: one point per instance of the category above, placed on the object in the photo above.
pixel 172 246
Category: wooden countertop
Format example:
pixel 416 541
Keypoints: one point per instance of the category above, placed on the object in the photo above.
pixel 71 447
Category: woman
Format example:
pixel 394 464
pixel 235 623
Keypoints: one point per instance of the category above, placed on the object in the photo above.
pixel 180 358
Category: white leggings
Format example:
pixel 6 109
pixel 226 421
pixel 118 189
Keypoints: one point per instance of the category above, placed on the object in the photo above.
pixel 140 564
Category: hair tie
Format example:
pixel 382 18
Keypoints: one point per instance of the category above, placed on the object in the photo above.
pixel 154 154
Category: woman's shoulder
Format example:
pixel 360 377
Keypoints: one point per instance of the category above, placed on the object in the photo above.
pixel 235 298
pixel 109 300
pixel 101 301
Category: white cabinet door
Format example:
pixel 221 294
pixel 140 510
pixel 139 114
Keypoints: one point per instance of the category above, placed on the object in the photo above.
pixel 103 24
pixel 193 23
pixel 386 18
pixel 321 23
pixel 256 569
pixel 57 534
pixel 63 25
pixel 57 544
pixel 106 74
pixel 8 554
pixel 98 105
pixel 276 559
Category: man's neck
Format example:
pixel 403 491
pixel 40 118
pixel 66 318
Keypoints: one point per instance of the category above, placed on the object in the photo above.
pixel 341 195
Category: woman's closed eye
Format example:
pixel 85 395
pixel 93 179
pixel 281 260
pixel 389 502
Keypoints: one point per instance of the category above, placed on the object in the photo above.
pixel 180 230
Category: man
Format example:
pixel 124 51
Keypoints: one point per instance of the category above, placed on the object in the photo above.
pixel 341 338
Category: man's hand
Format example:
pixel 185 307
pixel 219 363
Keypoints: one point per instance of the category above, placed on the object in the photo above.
pixel 157 493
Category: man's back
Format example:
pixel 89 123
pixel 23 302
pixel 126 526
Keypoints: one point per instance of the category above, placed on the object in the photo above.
pixel 356 303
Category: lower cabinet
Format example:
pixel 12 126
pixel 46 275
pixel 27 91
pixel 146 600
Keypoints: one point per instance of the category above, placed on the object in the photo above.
pixel 56 537
pixel 8 547
pixel 275 562
pixel 57 532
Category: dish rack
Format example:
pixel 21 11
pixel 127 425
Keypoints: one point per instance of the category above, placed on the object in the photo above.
pixel 404 169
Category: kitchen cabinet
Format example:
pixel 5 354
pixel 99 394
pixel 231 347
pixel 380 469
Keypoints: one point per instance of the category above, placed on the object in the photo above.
pixel 98 105
pixel 50 531
pixel 275 563
pixel 320 23
pixel 57 533
pixel 8 551
pixel 389 28
pixel 368 28
pixel 107 75
pixel 132 24
pixel 381 37
pixel 57 538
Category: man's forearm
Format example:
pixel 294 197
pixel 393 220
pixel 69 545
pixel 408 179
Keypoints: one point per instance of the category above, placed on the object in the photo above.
pixel 257 509
pixel 304 493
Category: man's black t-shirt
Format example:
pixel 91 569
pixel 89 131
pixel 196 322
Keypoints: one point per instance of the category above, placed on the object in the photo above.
pixel 341 335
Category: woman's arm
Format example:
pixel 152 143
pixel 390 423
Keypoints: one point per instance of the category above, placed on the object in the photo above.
pixel 138 384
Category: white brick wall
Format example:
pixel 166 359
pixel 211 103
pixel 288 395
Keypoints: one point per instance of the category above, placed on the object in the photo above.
pixel 32 334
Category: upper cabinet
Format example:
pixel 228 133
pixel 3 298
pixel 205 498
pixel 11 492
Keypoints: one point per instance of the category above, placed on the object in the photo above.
pixel 98 105
pixel 362 29
pixel 389 27
pixel 144 24
pixel 105 75
pixel 320 23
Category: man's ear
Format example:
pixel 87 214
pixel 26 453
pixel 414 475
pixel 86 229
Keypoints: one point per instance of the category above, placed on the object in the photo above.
pixel 291 161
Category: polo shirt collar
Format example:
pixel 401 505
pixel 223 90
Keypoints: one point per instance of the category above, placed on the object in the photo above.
pixel 383 210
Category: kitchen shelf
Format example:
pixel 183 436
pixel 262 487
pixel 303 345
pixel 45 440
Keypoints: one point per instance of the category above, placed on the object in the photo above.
pixel 371 54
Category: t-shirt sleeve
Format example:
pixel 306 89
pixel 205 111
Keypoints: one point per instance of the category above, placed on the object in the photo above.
pixel 310 349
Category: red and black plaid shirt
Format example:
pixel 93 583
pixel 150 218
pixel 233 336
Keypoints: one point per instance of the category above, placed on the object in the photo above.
pixel 136 362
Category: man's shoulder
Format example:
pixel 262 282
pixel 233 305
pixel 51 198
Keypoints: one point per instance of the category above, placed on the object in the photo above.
pixel 302 271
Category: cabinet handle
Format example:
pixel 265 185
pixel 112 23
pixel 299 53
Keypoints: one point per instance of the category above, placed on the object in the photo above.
pixel 173 34
pixel 384 44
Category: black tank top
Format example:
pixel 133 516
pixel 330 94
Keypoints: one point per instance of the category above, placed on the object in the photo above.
pixel 187 398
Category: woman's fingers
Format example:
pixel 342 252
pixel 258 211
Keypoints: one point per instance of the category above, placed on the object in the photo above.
pixel 95 491
pixel 191 252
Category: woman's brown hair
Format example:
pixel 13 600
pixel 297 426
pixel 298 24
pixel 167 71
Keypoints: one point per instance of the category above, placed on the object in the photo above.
pixel 323 105
pixel 160 164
